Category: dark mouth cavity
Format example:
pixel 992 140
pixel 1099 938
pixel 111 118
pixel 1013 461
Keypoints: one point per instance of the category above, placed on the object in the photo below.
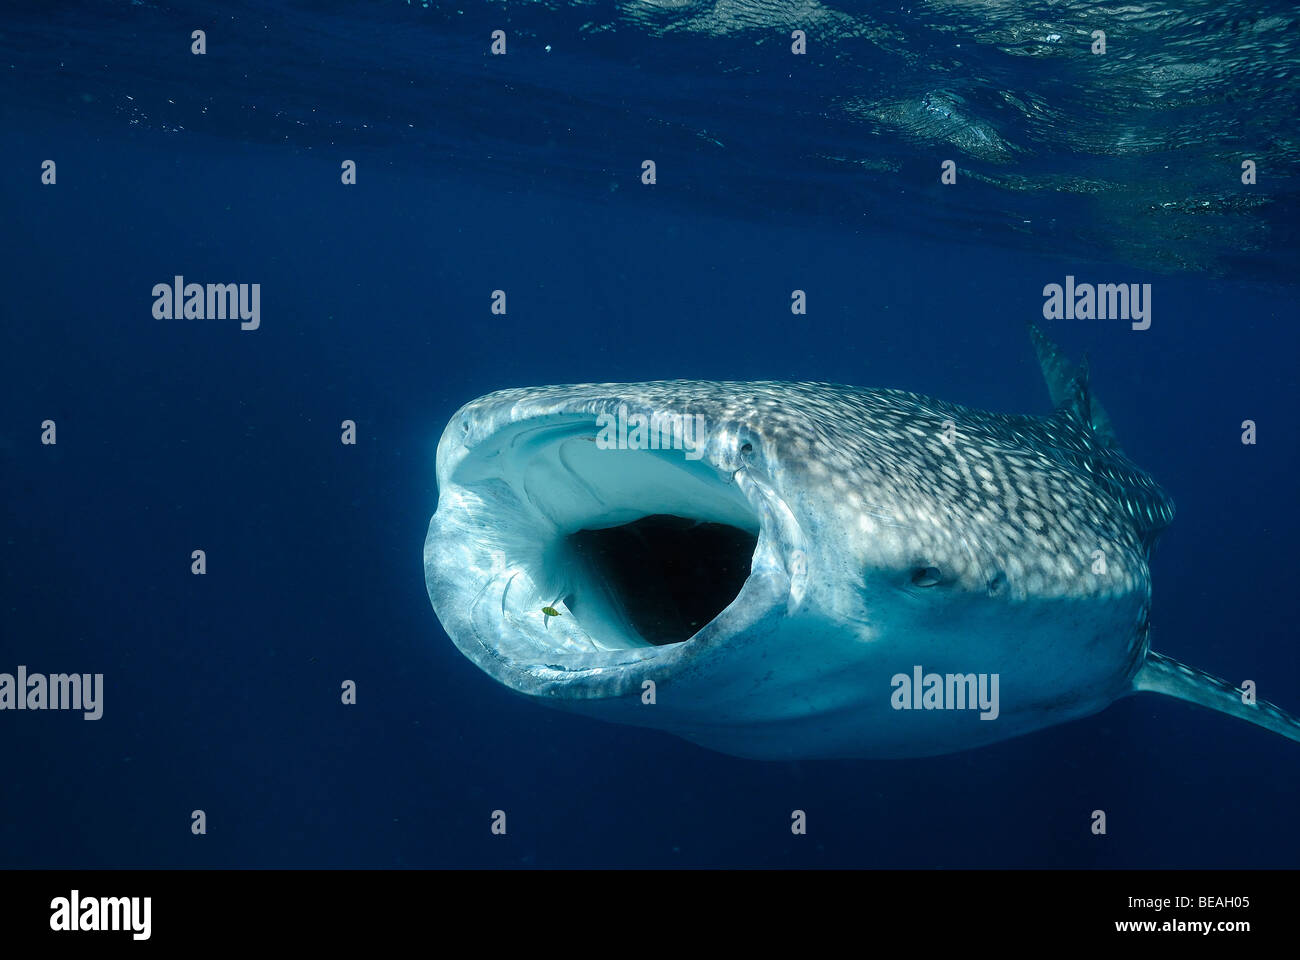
pixel 670 575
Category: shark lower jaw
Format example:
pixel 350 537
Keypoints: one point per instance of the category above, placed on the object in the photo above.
pixel 571 571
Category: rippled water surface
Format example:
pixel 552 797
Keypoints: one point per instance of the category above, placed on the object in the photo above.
pixel 1132 154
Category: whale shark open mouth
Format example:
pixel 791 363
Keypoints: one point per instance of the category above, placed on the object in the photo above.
pixel 656 580
pixel 554 560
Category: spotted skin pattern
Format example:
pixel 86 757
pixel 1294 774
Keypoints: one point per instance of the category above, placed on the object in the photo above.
pixel 1000 499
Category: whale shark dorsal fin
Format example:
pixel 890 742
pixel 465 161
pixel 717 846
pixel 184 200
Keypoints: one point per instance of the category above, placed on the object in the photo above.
pixel 1057 369
pixel 1078 399
pixel 1067 385
pixel 1161 674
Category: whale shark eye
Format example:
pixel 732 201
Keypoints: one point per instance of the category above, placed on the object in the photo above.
pixel 926 576
pixel 747 449
pixel 998 585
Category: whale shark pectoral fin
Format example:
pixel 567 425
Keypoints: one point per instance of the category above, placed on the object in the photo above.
pixel 1161 674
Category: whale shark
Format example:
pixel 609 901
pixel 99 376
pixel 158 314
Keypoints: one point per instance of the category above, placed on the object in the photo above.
pixel 783 570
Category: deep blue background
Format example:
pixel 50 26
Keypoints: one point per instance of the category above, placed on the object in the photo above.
pixel 223 690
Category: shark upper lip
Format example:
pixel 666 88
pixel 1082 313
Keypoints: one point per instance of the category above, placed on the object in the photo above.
pixel 556 563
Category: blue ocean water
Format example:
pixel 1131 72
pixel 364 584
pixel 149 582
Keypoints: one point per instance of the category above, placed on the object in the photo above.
pixel 522 172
